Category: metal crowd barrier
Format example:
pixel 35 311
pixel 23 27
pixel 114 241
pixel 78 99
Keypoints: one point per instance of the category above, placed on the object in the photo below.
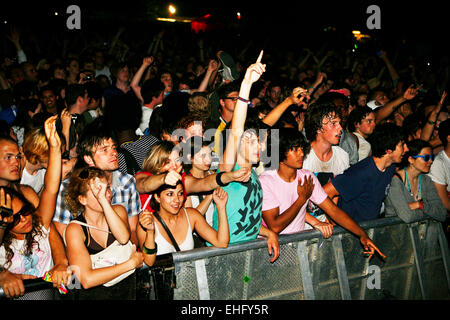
pixel 313 268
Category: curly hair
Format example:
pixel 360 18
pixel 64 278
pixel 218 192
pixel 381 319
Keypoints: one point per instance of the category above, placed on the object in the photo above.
pixel 30 238
pixel 315 115
pixel 79 186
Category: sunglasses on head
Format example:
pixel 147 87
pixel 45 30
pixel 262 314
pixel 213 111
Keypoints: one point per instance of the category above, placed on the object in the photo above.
pixel 426 157
pixel 25 211
pixel 84 174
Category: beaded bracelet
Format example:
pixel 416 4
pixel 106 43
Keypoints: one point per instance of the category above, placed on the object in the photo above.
pixel 246 101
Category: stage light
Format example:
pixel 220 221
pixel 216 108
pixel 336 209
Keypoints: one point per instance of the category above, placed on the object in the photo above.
pixel 172 9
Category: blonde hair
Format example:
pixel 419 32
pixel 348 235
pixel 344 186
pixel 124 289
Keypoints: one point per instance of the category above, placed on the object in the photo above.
pixel 199 102
pixel 158 156
pixel 35 146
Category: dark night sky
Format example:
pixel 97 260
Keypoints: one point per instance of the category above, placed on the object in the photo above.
pixel 425 21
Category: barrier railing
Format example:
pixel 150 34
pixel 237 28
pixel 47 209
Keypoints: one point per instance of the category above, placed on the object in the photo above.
pixel 310 267
pixel 313 268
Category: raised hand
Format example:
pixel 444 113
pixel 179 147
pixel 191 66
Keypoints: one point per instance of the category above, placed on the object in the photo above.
pixel 220 198
pixel 98 188
pixel 411 92
pixel 213 65
pixel 298 95
pixel 147 61
pixel 255 70
pixel 146 221
pixel 6 213
pixel 66 119
pixel 51 133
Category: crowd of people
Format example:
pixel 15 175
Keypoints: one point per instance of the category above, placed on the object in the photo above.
pixel 105 159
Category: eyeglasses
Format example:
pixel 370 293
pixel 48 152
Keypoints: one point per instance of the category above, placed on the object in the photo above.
pixel 230 98
pixel 426 157
pixel 25 211
pixel 84 174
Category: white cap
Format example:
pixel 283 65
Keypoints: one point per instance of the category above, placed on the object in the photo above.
pixel 372 105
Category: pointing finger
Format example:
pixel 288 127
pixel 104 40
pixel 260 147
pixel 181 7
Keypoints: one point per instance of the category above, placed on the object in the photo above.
pixel 260 56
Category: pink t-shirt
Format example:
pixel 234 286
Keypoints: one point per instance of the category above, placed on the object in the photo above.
pixel 282 194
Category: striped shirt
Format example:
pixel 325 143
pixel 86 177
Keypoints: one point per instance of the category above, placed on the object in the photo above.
pixel 139 150
pixel 123 190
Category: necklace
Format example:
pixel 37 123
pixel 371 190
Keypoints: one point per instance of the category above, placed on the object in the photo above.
pixel 409 187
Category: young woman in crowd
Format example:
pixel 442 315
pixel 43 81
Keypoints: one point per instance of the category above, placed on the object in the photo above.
pixel 412 194
pixel 163 165
pixel 30 245
pixel 99 229
pixel 197 162
pixel 167 203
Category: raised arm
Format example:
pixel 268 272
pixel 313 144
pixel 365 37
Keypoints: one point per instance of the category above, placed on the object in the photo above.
pixel 297 96
pixel 116 216
pixel 15 39
pixel 147 184
pixel 390 67
pixel 52 178
pixel 135 82
pixel 427 130
pixel 221 237
pixel 252 75
pixel 146 237
pixel 212 67
pixel 386 110
pixel 210 182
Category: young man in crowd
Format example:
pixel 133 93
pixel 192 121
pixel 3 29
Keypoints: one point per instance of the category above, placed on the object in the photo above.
pixel 97 148
pixel 361 189
pixel 325 159
pixel 362 123
pixel 287 190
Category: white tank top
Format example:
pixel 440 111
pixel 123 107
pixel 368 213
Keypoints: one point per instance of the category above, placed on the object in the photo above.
pixel 165 246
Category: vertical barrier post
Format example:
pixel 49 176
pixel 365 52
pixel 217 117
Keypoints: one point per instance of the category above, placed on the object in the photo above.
pixel 306 275
pixel 362 295
pixel 341 268
pixel 444 251
pixel 248 265
pixel 418 259
pixel 202 279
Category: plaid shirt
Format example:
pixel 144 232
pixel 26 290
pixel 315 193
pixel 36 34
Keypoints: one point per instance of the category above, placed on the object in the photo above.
pixel 123 190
